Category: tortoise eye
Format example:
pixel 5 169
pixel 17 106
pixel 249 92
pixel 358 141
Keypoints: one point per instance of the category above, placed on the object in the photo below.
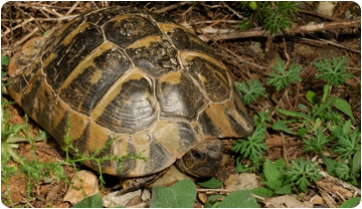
pixel 198 155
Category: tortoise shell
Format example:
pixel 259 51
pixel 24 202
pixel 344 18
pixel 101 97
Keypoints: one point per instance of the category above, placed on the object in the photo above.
pixel 131 80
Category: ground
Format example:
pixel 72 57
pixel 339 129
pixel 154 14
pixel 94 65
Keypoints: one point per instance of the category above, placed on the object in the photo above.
pixel 248 56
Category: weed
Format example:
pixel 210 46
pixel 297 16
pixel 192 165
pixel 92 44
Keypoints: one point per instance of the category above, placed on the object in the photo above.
pixel 251 90
pixel 333 72
pixel 251 148
pixel 274 17
pixel 280 78
pixel 302 172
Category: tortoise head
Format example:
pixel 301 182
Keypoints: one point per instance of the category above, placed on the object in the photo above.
pixel 202 161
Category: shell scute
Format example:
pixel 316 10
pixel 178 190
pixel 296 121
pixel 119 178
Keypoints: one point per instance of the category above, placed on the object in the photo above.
pixel 70 53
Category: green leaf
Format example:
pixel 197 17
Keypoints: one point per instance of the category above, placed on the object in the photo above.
pixel 331 165
pixel 46 32
pixel 351 203
pixel 273 178
pixel 5 60
pixel 251 90
pixel 311 96
pixel 281 126
pixel 211 183
pixel 94 201
pixel 356 163
pixel 180 195
pixel 293 114
pixel 261 191
pixel 286 189
pixel 239 199
pixel 343 106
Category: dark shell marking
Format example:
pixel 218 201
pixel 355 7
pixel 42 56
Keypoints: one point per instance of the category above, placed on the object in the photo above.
pixel 130 74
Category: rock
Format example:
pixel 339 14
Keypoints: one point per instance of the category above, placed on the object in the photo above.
pixel 85 184
pixel 136 199
pixel 241 181
pixel 286 201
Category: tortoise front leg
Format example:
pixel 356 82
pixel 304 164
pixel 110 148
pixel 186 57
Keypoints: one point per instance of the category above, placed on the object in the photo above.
pixel 132 184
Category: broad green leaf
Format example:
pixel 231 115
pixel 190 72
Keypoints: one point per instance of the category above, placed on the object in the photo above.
pixel 351 203
pixel 281 126
pixel 94 201
pixel 286 189
pixel 331 165
pixel 261 191
pixel 239 199
pixel 272 176
pixel 293 114
pixel 46 32
pixel 5 60
pixel 180 195
pixel 280 164
pixel 343 106
pixel 311 96
pixel 211 183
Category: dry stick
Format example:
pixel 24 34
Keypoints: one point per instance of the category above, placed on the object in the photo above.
pixel 72 8
pixel 320 15
pixel 233 11
pixel 335 44
pixel 52 12
pixel 8 30
pixel 33 19
pixel 37 5
pixel 243 61
pixel 286 54
pixel 218 21
pixel 174 6
pixel 225 190
pixel 294 30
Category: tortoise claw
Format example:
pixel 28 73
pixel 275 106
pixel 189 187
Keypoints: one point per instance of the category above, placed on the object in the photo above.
pixel 132 184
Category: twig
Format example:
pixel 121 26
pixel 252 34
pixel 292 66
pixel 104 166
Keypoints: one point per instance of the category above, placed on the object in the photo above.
pixel 8 30
pixel 173 6
pixel 337 45
pixel 37 5
pixel 243 61
pixel 72 8
pixel 24 22
pixel 294 30
pixel 218 21
pixel 233 11
pixel 225 190
pixel 320 15
pixel 286 54
pixel 52 11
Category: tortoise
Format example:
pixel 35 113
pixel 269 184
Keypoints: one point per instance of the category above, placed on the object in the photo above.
pixel 130 81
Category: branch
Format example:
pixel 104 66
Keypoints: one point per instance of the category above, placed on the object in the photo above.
pixel 294 30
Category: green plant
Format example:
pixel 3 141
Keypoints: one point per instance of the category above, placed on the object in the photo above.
pixel 251 148
pixel 251 90
pixel 274 17
pixel 333 72
pixel 317 142
pixel 280 78
pixel 273 179
pixel 303 172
